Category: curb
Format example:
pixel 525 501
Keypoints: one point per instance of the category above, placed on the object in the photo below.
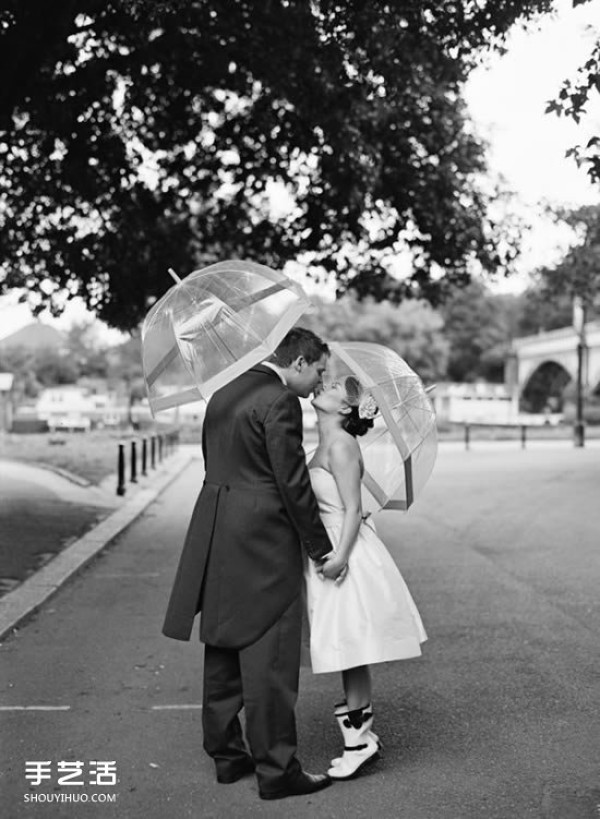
pixel 64 473
pixel 26 599
pixel 56 470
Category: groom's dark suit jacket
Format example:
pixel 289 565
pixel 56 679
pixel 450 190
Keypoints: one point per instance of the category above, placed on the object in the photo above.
pixel 242 559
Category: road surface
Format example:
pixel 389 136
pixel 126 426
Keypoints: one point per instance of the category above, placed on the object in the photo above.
pixel 498 720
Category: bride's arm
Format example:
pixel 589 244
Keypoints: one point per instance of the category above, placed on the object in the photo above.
pixel 344 462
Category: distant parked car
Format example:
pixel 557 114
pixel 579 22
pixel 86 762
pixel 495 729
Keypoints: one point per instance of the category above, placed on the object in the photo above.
pixel 70 423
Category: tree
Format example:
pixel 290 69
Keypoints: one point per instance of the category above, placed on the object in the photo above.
pixel 578 274
pixel 141 135
pixel 87 350
pixel 571 102
pixel 125 367
pixel 412 329
pixel 478 328
pixel 36 369
pixel 539 313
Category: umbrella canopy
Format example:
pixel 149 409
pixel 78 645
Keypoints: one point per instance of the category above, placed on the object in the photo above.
pixel 400 450
pixel 214 325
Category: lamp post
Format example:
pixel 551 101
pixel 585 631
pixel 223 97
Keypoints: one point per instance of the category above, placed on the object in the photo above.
pixel 579 326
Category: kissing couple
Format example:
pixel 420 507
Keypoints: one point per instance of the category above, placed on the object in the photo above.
pixel 266 524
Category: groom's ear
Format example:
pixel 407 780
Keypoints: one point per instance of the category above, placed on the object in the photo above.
pixel 298 363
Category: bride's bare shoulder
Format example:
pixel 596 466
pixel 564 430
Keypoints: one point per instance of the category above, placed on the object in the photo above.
pixel 344 448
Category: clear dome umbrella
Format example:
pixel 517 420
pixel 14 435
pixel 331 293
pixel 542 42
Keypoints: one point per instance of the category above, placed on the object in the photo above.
pixel 400 450
pixel 214 325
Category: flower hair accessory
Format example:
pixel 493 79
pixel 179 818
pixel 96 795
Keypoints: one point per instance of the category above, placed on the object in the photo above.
pixel 367 408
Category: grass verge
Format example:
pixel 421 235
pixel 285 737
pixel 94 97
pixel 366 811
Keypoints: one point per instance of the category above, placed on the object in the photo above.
pixel 92 456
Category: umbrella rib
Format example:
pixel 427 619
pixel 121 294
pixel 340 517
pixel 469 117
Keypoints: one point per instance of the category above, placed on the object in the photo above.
pixel 374 488
pixel 247 301
pixel 347 359
pixel 391 424
pixel 410 494
pixel 398 505
pixel 219 342
pixel 162 365
pixel 170 401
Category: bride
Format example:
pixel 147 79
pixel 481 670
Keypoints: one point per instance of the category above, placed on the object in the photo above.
pixel 359 607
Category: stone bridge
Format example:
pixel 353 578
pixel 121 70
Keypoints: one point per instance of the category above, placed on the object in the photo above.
pixel 539 367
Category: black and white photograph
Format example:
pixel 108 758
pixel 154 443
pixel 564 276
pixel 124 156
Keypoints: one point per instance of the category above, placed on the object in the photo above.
pixel 300 409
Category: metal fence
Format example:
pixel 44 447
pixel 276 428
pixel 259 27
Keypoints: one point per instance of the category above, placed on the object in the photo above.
pixel 520 428
pixel 519 432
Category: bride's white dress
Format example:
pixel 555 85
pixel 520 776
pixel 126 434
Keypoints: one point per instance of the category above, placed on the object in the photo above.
pixel 368 618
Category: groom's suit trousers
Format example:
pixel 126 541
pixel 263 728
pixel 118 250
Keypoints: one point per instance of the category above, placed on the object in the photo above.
pixel 263 679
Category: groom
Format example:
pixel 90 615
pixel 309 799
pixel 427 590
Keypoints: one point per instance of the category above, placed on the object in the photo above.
pixel 242 567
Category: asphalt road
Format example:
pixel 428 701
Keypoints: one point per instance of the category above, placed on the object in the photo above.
pixel 498 720
pixel 41 512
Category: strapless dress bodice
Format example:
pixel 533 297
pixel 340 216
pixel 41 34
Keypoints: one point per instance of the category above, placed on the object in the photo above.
pixel 326 491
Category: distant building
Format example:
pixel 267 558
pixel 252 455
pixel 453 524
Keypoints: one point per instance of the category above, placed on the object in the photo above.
pixel 77 407
pixel 6 406
pixel 193 413
pixel 480 402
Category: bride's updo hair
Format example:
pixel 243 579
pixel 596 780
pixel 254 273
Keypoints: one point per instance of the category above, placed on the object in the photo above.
pixel 353 423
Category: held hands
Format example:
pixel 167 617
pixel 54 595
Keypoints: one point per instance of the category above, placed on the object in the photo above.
pixel 333 567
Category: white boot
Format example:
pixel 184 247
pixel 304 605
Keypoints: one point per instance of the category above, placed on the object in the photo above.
pixel 359 745
pixel 341 708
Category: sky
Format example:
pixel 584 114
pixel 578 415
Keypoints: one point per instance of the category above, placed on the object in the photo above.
pixel 507 97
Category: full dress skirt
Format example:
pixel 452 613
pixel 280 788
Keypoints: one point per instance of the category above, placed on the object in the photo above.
pixel 368 618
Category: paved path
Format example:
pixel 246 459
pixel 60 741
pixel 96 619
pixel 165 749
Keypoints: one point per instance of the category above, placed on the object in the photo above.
pixel 41 512
pixel 498 720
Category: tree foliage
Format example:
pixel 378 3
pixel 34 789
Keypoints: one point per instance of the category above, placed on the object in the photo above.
pixel 578 274
pixel 84 357
pixel 572 100
pixel 412 329
pixel 540 313
pixel 34 370
pixel 478 327
pixel 141 135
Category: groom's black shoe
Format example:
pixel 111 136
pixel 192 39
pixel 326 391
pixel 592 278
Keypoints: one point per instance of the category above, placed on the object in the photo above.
pixel 299 784
pixel 231 774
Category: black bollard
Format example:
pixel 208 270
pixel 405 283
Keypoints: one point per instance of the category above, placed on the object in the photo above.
pixel 467 431
pixel 153 452
pixel 523 436
pixel 121 470
pixel 160 449
pixel 144 457
pixel 133 463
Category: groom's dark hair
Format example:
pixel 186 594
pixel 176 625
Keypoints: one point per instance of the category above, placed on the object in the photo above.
pixel 299 341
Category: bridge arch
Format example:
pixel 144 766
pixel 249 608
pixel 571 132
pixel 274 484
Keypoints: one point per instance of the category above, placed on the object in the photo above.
pixel 545 386
pixel 538 356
